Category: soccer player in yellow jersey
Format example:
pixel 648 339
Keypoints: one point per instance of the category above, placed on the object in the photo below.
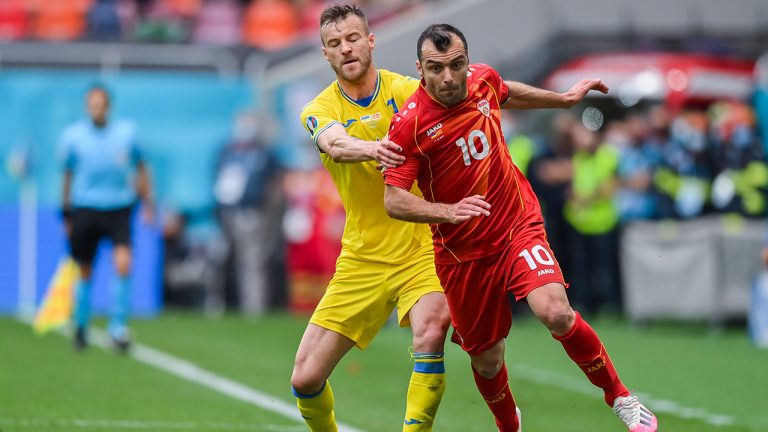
pixel 384 262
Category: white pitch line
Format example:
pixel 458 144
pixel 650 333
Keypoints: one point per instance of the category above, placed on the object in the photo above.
pixel 112 424
pixel 193 373
pixel 566 382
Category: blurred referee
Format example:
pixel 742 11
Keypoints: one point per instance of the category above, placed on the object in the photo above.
pixel 104 173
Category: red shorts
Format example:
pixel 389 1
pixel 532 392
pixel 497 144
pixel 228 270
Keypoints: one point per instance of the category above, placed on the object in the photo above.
pixel 477 290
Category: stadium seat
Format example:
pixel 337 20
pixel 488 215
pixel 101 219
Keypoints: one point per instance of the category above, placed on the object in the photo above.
pixel 270 24
pixel 63 20
pixel 13 20
pixel 104 21
pixel 218 23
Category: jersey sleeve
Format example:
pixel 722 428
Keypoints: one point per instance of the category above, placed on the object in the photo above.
pixel 317 117
pixel 401 132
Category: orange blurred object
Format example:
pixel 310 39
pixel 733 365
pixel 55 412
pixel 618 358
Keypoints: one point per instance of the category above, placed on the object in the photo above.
pixel 60 20
pixel 270 24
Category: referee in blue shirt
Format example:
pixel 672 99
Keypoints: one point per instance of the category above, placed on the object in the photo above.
pixel 104 174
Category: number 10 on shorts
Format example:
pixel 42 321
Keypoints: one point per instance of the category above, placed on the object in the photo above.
pixel 540 254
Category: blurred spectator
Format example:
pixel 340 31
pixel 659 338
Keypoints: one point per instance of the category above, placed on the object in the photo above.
pixel 550 174
pixel 521 147
pixel 593 217
pixel 194 261
pixel 271 24
pixel 638 160
pixel 218 23
pixel 248 189
pixel 684 175
pixel 313 224
pixel 739 168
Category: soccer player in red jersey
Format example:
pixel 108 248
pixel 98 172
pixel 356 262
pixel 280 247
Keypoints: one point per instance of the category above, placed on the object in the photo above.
pixel 487 225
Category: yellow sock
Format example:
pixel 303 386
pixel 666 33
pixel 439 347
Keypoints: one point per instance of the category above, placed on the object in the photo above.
pixel 317 409
pixel 424 392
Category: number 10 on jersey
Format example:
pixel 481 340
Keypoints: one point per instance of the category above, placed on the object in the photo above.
pixel 470 149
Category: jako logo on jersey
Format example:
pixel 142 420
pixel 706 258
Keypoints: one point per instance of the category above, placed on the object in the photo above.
pixel 349 122
pixel 435 131
pixel 596 367
pixel 484 107
pixel 311 124
pixel 545 271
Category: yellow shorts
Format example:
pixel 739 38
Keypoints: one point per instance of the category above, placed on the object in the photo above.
pixel 362 294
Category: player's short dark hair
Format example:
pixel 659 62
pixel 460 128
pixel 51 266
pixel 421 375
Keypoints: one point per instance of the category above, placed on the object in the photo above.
pixel 440 35
pixel 338 12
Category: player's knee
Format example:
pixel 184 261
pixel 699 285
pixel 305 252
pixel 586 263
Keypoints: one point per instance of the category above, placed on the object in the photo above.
pixel 559 317
pixel 432 336
pixel 488 367
pixel 306 383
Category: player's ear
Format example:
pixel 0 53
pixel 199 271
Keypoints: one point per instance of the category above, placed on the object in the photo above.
pixel 325 54
pixel 418 68
pixel 371 41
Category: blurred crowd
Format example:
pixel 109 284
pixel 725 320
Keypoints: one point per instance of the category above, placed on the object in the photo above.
pixel 592 176
pixel 264 24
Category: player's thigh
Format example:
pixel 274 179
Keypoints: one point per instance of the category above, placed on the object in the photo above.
pixel 418 293
pixel 356 303
pixel 85 236
pixel 477 298
pixel 530 262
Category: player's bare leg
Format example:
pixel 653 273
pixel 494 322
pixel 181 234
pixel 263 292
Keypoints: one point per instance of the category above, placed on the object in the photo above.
pixel 550 305
pixel 492 381
pixel 318 354
pixel 430 319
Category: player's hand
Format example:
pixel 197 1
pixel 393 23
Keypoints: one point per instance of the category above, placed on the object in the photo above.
pixel 581 88
pixel 388 154
pixel 469 207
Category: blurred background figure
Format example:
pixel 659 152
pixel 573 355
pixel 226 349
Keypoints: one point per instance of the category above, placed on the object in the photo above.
pixel 593 217
pixel 104 173
pixel 248 190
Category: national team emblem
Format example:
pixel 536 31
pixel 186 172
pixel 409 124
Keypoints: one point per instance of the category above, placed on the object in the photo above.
pixel 484 107
pixel 371 120
pixel 311 124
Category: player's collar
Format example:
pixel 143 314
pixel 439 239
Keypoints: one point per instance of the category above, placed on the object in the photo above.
pixel 370 98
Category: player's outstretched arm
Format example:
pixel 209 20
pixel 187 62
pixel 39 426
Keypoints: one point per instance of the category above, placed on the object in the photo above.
pixel 524 96
pixel 343 148
pixel 403 205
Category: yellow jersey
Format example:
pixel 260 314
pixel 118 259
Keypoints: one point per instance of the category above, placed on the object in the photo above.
pixel 369 233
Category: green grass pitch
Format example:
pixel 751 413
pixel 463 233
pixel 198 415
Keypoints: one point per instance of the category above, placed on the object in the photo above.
pixel 695 380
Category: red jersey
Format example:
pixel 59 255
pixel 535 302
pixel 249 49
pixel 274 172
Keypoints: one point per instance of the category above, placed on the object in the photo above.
pixel 458 152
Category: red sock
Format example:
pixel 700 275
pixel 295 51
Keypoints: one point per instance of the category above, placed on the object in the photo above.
pixel 499 398
pixel 584 347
